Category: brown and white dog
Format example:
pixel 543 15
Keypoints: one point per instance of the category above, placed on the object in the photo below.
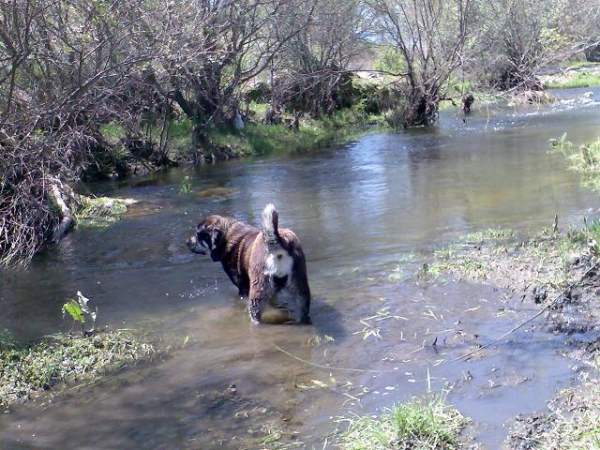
pixel 266 265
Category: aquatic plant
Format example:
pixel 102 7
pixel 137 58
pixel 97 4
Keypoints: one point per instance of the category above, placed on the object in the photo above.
pixel 79 310
pixel 586 160
pixel 185 187
pixel 100 211
pixel 30 369
pixel 423 423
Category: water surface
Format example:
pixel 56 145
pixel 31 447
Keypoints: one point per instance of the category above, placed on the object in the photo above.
pixel 368 214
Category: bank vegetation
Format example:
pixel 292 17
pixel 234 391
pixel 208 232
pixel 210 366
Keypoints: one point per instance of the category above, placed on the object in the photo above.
pixel 92 89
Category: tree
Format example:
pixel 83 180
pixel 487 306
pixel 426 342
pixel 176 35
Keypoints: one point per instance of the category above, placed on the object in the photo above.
pixel 431 36
pixel 512 40
pixel 64 66
pixel 518 38
pixel 311 73
pixel 210 48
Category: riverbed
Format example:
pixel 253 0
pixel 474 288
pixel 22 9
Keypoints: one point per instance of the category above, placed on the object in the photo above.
pixel 369 214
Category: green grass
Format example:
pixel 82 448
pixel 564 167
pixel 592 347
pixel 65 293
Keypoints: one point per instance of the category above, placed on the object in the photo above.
pixel 100 211
pixel 40 366
pixel 585 159
pixel 258 139
pixel 543 260
pixel 580 78
pixel 425 424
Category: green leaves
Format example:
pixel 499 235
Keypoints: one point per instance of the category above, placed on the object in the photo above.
pixel 79 310
pixel 74 310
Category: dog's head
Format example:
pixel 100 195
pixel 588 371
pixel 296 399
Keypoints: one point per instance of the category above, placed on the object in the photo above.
pixel 209 238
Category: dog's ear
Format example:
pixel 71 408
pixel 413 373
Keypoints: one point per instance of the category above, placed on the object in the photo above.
pixel 217 244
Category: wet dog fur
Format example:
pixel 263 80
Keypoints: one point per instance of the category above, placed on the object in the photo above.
pixel 267 265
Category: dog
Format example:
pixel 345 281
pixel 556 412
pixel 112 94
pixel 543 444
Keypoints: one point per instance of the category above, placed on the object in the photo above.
pixel 267 265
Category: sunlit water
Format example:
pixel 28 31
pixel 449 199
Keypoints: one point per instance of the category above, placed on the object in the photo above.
pixel 369 214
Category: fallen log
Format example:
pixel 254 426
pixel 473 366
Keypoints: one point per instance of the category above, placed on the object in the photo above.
pixel 61 196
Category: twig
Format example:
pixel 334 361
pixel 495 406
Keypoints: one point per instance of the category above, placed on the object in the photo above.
pixel 330 368
pixel 525 322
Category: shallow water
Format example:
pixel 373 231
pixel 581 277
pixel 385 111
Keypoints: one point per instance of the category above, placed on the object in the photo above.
pixel 368 214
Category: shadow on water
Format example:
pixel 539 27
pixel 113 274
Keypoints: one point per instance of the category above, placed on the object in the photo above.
pixel 368 215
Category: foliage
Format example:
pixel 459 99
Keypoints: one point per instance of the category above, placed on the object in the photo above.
pixel 186 185
pixel 585 160
pixel 421 423
pixel 79 310
pixel 430 36
pixel 100 211
pixel 257 139
pixel 391 62
pixel 41 365
pixel 91 89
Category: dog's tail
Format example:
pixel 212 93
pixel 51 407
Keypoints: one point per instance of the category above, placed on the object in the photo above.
pixel 270 220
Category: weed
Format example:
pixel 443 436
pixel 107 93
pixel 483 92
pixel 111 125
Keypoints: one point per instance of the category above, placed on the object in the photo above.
pixel 40 366
pixel 100 211
pixel 79 310
pixel 560 144
pixel 186 185
pixel 586 160
pixel 421 423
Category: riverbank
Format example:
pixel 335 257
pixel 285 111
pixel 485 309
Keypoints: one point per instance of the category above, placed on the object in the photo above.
pixel 573 76
pixel 560 272
pixel 42 369
pixel 255 137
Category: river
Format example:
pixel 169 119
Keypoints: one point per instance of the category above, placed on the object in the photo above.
pixel 368 214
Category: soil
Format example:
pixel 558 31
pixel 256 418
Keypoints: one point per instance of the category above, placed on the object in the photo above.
pixel 567 289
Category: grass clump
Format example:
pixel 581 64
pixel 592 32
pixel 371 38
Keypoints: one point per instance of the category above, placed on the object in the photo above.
pixel 40 366
pixel 100 211
pixel 425 424
pixel 585 159
pixel 458 258
pixel 551 260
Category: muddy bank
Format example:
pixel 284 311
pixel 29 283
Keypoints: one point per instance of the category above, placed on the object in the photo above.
pixel 559 272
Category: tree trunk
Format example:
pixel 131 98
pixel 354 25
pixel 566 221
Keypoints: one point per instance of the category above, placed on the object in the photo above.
pixel 61 197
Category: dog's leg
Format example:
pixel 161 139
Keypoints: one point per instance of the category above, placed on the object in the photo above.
pixel 299 303
pixel 258 297
pixel 255 310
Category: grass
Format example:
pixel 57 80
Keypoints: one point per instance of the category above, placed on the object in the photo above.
pixel 258 139
pixel 578 74
pixel 579 79
pixel 458 258
pixel 28 370
pixel 100 211
pixel 585 159
pixel 423 423
pixel 499 255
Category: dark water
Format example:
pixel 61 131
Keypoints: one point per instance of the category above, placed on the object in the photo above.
pixel 368 215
